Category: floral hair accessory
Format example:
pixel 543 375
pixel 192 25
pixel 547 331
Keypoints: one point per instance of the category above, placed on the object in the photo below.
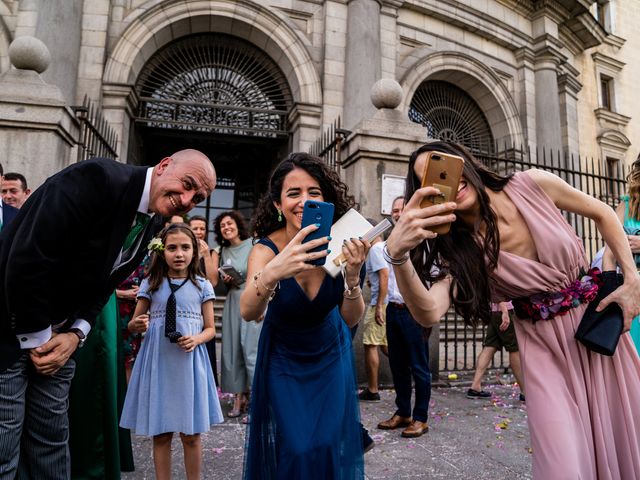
pixel 548 305
pixel 155 245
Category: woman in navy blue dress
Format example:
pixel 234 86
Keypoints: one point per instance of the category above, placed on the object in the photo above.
pixel 304 410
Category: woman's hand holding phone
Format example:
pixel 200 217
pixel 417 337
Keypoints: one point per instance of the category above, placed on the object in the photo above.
pixel 415 224
pixel 294 258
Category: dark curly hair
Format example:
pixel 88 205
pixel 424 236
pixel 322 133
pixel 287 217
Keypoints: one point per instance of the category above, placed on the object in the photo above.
pixel 333 189
pixel 469 258
pixel 158 269
pixel 243 229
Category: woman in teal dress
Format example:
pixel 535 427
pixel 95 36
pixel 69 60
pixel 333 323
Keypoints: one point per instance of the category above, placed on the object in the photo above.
pixel 629 214
pixel 304 411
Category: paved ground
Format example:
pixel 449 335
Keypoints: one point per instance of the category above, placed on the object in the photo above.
pixel 468 439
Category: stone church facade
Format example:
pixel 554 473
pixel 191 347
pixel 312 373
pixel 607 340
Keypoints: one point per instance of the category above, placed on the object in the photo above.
pixel 247 81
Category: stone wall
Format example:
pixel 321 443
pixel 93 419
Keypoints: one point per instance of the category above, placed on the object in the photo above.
pixel 614 134
pixel 506 54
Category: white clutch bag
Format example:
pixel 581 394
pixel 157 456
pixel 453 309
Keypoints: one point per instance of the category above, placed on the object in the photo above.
pixel 350 225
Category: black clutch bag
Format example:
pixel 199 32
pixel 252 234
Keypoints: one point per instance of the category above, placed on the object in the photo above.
pixel 600 331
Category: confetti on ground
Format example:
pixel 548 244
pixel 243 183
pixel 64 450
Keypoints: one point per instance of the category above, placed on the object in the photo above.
pixel 503 425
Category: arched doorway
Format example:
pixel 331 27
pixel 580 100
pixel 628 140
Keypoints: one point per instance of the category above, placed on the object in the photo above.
pixel 224 96
pixel 476 81
pixel 449 113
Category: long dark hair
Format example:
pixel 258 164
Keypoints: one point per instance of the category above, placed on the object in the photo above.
pixel 158 270
pixel 333 190
pixel 469 257
pixel 241 224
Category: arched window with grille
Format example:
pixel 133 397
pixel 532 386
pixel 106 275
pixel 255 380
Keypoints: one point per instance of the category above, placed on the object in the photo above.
pixel 449 113
pixel 214 83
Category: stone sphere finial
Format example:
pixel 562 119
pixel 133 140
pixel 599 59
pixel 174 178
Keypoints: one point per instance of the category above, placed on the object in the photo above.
pixel 386 93
pixel 29 53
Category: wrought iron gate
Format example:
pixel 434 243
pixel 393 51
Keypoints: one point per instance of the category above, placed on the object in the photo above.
pixel 214 83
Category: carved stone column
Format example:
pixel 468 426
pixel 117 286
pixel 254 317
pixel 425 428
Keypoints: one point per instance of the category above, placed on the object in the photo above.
pixel 363 67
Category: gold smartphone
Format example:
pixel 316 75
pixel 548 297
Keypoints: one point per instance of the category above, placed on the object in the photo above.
pixel 441 171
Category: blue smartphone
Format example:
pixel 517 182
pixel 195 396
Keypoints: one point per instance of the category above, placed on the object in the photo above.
pixel 322 213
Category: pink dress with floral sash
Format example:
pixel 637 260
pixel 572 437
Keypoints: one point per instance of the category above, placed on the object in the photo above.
pixel 583 408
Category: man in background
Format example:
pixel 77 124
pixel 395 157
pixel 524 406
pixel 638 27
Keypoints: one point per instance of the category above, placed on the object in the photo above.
pixel 14 189
pixel 374 335
pixel 408 357
pixel 7 212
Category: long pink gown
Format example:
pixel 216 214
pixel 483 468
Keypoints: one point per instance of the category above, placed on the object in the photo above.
pixel 583 408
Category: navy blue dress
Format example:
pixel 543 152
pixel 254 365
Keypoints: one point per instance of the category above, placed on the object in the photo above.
pixel 304 408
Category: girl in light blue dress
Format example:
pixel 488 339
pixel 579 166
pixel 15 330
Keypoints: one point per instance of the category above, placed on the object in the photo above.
pixel 172 387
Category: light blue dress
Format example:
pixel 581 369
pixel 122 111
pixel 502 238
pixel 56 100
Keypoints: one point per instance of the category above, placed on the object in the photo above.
pixel 172 390
pixel 631 226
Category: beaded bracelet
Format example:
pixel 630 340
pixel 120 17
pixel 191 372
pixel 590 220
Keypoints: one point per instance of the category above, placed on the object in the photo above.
pixel 391 260
pixel 258 278
pixel 352 293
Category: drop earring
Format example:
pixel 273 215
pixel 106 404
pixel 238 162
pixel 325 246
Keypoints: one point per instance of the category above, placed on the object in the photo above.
pixel 279 215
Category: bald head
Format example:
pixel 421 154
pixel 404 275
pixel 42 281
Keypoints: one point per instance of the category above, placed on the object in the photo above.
pixel 180 182
pixel 195 159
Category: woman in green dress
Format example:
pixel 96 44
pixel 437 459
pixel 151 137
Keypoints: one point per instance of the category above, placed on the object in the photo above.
pixel 239 338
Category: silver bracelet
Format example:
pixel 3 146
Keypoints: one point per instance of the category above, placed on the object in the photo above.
pixel 391 260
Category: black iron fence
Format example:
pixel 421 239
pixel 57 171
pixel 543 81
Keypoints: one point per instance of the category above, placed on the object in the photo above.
pixel 605 180
pixel 97 138
pixel 329 145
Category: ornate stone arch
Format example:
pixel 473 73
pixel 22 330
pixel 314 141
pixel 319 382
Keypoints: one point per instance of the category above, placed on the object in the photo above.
pixel 478 81
pixel 164 22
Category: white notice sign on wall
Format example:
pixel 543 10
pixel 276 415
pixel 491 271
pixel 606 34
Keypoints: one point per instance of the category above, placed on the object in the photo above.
pixel 392 187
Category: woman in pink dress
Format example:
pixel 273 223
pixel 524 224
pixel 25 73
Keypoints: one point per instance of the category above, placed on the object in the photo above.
pixel 583 408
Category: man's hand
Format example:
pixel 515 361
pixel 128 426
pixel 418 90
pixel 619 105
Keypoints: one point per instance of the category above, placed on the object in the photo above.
pixel 380 311
pixel 50 357
pixel 505 321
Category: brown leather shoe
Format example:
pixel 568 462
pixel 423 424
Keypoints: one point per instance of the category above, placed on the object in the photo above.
pixel 416 429
pixel 395 422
